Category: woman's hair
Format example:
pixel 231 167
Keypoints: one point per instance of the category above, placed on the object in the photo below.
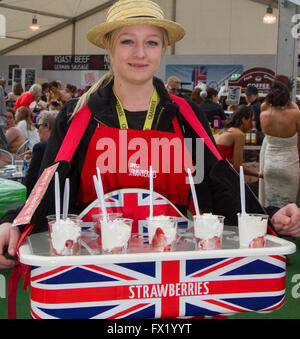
pixel 285 80
pixel 279 95
pixel 25 114
pixel 17 88
pixel 195 96
pixel 71 88
pixel 241 112
pixel 208 94
pixel 36 91
pixel 111 40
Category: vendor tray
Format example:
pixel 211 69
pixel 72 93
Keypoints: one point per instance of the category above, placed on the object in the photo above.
pixel 145 284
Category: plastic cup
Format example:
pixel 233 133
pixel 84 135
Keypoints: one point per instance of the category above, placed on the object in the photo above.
pixel 252 230
pixel 208 231
pixel 98 218
pixel 115 235
pixel 162 232
pixel 65 236
pixel 19 166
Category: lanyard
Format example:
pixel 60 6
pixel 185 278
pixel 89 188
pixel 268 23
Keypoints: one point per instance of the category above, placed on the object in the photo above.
pixel 150 114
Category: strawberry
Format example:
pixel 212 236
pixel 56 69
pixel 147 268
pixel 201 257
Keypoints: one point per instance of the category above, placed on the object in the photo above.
pixel 159 240
pixel 210 244
pixel 257 242
pixel 97 227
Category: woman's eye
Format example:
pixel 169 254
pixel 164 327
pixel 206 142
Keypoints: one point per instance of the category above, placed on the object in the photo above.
pixel 126 42
pixel 152 43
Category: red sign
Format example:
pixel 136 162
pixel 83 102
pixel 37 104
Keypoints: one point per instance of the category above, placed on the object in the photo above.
pixel 35 197
pixel 260 77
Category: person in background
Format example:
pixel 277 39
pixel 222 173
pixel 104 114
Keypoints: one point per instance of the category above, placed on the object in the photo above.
pixel 13 96
pixel 279 155
pixel 24 122
pixel 231 139
pixel 210 106
pixel 45 90
pixel 14 137
pixel 173 85
pixel 70 91
pixel 45 121
pixel 55 93
pixel 55 106
pixel 195 96
pixel 30 98
pixel 254 102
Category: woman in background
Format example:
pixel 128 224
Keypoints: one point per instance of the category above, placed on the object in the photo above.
pixel 279 156
pixel 24 122
pixel 231 139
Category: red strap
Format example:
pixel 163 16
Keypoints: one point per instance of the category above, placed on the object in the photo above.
pixel 190 116
pixel 74 135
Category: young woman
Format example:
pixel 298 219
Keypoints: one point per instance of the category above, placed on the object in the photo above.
pixel 279 156
pixel 129 105
pixel 24 122
pixel 231 139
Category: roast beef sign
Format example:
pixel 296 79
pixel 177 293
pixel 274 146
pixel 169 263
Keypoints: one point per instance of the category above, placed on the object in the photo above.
pixel 75 62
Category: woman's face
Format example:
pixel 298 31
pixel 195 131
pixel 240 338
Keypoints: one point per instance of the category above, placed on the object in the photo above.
pixel 10 120
pixel 137 53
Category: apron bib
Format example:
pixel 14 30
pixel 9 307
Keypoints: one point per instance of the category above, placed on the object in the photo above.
pixel 124 158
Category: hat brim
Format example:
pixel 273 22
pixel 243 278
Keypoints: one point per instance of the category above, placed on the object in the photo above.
pixel 97 34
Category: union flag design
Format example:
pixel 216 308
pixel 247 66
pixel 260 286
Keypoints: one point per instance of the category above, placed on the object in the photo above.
pixel 134 204
pixel 159 289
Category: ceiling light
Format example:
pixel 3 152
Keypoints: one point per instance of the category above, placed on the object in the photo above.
pixel 269 17
pixel 34 26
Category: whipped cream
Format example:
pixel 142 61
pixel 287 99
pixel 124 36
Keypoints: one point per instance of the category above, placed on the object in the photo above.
pixel 166 224
pixel 114 233
pixel 208 226
pixel 250 228
pixel 63 231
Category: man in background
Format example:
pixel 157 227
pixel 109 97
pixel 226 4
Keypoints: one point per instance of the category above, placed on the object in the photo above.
pixel 173 85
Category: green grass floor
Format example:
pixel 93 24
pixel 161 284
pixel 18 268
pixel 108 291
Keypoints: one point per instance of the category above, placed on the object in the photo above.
pixel 290 310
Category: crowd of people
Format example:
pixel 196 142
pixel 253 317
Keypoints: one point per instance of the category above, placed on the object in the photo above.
pixel 29 117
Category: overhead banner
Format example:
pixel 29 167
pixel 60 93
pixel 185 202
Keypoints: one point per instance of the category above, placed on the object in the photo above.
pixel 212 75
pixel 75 62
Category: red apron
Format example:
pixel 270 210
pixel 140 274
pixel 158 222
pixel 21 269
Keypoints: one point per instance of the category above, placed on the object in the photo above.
pixel 124 158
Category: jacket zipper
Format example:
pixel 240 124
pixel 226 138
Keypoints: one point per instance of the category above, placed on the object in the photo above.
pixel 159 116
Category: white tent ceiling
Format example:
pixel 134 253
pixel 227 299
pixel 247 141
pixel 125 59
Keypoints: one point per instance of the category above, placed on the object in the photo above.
pixel 52 16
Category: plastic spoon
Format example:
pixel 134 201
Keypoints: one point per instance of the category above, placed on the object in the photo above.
pixel 57 197
pixel 151 192
pixel 194 193
pixel 242 190
pixel 66 199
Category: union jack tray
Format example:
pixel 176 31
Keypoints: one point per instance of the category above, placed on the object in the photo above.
pixel 145 284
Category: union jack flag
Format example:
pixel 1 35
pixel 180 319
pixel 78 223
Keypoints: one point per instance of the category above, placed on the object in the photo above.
pixel 134 204
pixel 159 289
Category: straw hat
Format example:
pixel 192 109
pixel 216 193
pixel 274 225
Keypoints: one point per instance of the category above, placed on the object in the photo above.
pixel 134 12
